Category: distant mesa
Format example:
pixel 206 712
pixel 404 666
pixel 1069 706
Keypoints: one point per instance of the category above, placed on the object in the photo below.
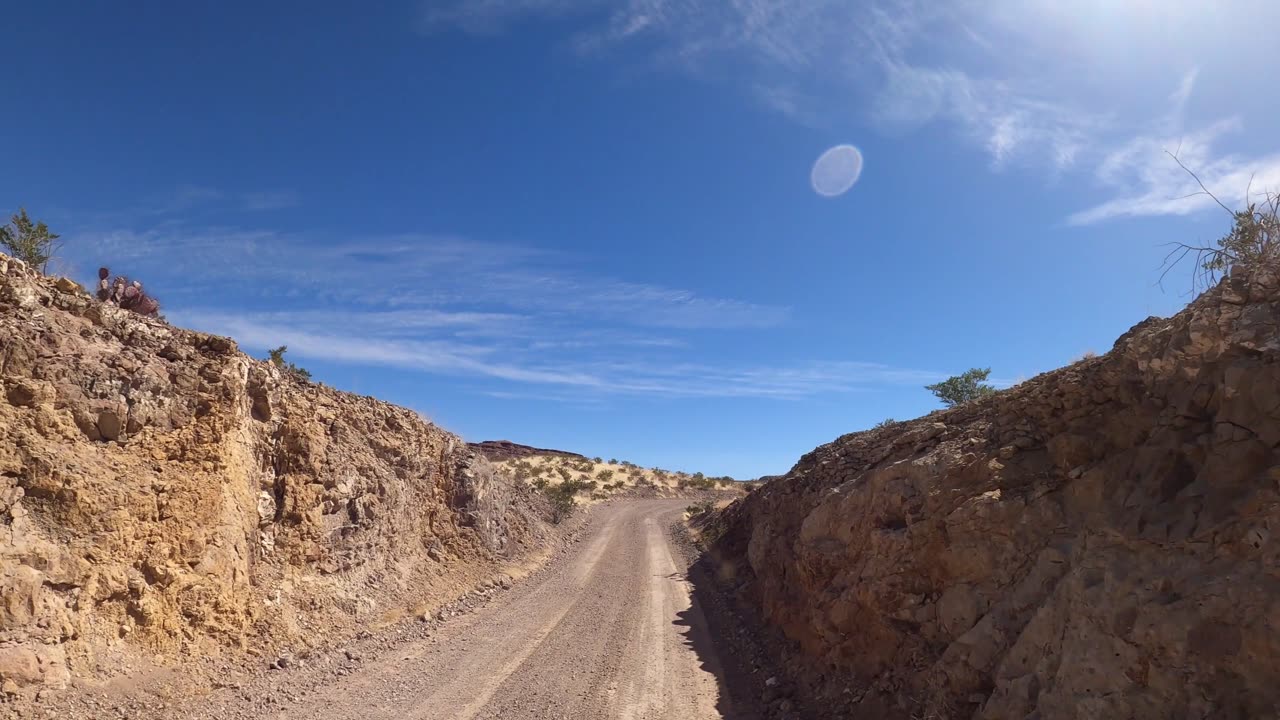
pixel 500 450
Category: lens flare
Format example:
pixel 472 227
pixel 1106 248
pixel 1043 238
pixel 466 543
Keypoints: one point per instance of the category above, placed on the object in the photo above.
pixel 836 170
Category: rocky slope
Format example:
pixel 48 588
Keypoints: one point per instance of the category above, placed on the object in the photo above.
pixel 501 450
pixel 162 495
pixel 1098 542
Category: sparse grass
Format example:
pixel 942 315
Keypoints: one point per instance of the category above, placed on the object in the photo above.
pixel 597 480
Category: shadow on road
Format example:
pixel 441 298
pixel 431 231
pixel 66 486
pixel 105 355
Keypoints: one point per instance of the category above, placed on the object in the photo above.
pixel 707 628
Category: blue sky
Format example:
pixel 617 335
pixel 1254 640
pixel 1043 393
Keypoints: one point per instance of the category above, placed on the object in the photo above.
pixel 592 225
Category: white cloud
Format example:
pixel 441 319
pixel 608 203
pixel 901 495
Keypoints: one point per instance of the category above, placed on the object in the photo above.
pixel 340 344
pixel 341 341
pixel 1051 86
pixel 414 271
pixel 384 323
pixel 456 307
pixel 1149 164
pixel 828 59
pixel 1167 189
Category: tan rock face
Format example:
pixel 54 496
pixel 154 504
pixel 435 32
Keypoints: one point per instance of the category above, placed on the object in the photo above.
pixel 1099 541
pixel 161 489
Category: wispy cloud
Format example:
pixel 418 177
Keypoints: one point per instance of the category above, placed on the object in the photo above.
pixel 487 16
pixel 186 198
pixel 530 321
pixel 182 198
pixel 1048 86
pixel 442 356
pixel 382 324
pixel 563 398
pixel 271 200
pixel 897 63
pixel 528 364
pixel 1147 173
pixel 411 271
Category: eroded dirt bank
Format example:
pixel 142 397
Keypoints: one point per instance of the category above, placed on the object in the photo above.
pixel 165 497
pixel 1097 542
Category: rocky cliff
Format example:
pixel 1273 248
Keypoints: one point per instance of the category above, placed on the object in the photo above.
pixel 164 493
pixel 1097 542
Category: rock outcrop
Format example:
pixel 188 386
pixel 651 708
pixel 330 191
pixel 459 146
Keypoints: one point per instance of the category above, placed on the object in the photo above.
pixel 1098 542
pixel 162 491
pixel 500 450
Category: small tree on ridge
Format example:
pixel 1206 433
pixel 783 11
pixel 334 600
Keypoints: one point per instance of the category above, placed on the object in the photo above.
pixel 29 241
pixel 962 388
pixel 276 355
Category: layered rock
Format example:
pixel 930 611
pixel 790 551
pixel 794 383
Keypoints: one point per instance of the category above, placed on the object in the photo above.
pixel 501 450
pixel 161 490
pixel 1097 542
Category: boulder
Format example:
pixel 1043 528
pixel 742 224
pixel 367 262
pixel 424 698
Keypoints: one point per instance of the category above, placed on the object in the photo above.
pixel 110 425
pixel 19 665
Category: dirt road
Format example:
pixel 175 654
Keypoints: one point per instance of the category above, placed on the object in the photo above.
pixel 610 633
pixel 611 628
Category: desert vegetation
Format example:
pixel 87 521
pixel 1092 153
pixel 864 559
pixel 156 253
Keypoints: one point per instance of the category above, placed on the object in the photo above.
pixel 1253 239
pixel 702 507
pixel 965 387
pixel 569 481
pixel 276 357
pixel 29 240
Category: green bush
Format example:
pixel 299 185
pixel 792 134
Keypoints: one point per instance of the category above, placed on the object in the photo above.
pixel 1254 240
pixel 697 482
pixel 276 356
pixel 965 387
pixel 562 503
pixel 29 241
pixel 563 497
